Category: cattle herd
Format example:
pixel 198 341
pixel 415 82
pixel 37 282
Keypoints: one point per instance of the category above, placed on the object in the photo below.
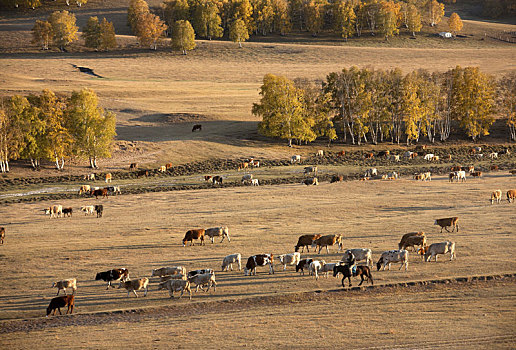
pixel 356 262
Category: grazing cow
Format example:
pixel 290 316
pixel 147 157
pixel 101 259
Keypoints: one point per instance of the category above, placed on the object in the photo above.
pixel 440 248
pixel 176 286
pixel 133 166
pixel 113 189
pixel 255 182
pixel 203 279
pixel 311 181
pixel 2 235
pixel 496 196
pixel 392 175
pixel 295 159
pixel 194 234
pixel 134 285
pixel 259 260
pixel 326 241
pixel 198 272
pixel 168 166
pixel 360 254
pixel 395 158
pixel 476 174
pixel 113 275
pixel 207 178
pixel 371 172
pixel 429 156
pixel 458 175
pixel 493 155
pixel 310 169
pixel 254 163
pixel 169 271
pixel 197 127
pixel 243 165
pixel 511 196
pixel 162 169
pixel 88 209
pixel 84 189
pixel 369 155
pixel 391 256
pixel 67 212
pixel 359 271
pixel 336 178
pixel 247 178
pixel 59 302
pixel 314 268
pixel 217 180
pixel 142 173
pixel 222 231
pixel 407 242
pixel 320 153
pixel 227 262
pixel 108 177
pixel 384 154
pixel 305 241
pixel 68 283
pixel 289 259
pixel 54 211
pixel 447 222
pixel 494 168
pixel 303 264
pixel 103 192
pixel 99 209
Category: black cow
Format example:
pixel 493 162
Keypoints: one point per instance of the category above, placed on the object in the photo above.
pixel 59 302
pixel 197 127
pixel 99 209
pixel 67 212
pixel 217 180
pixel 361 270
pixel 112 275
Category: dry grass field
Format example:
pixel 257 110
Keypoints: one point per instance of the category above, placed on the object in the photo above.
pixel 142 232
pixel 157 96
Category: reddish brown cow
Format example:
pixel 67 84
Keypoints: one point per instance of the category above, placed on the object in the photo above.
pixel 103 192
pixel 306 241
pixel 168 166
pixel 511 196
pixel 59 302
pixel 194 234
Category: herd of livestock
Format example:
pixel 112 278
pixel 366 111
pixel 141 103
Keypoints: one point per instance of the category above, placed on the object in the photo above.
pixel 177 279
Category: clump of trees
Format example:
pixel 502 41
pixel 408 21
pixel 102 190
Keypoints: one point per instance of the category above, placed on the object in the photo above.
pixel 47 126
pixel 99 36
pixel 59 28
pixel 365 105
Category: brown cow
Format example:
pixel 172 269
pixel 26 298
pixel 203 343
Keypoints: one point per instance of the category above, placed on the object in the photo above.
pixel 511 195
pixel 194 234
pixel 306 241
pixel 59 302
pixel 447 222
pixel 243 165
pixel 476 174
pixel 142 173
pixel 100 192
pixel 168 166
pixel 133 166
pixel 2 235
pixel 337 178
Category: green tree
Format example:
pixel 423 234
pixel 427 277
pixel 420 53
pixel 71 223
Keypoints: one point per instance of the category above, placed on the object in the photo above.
pixel 42 33
pixel 238 32
pixel 136 9
pixel 91 33
pixel 63 28
pixel 184 36
pixel 507 101
pixel 243 10
pixel 92 129
pixel 435 12
pixel 413 19
pixel 314 15
pixel 344 18
pixel 12 129
pixel 263 16
pixel 150 30
pixel 176 10
pixel 282 20
pixel 281 109
pixel 107 35
pixel 411 107
pixel 206 20
pixel 388 18
pixel 473 100
pixel 455 23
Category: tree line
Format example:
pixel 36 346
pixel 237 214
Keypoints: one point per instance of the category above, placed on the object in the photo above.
pixel 47 126
pixel 367 105
pixel 33 4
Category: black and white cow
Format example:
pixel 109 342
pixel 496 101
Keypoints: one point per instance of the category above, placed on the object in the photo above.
pixel 113 275
pixel 259 260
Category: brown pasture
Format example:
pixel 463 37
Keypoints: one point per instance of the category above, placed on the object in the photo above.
pixel 142 232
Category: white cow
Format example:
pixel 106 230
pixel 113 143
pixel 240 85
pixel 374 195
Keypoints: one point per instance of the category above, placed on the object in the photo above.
pixel 228 261
pixel 360 254
pixel 371 172
pixel 295 159
pixel 327 267
pixel 55 211
pixel 289 259
pixel 255 182
pixel 391 256
pixel 315 267
pixel 440 248
pixel 222 231
pixel 429 156
pixel 88 209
